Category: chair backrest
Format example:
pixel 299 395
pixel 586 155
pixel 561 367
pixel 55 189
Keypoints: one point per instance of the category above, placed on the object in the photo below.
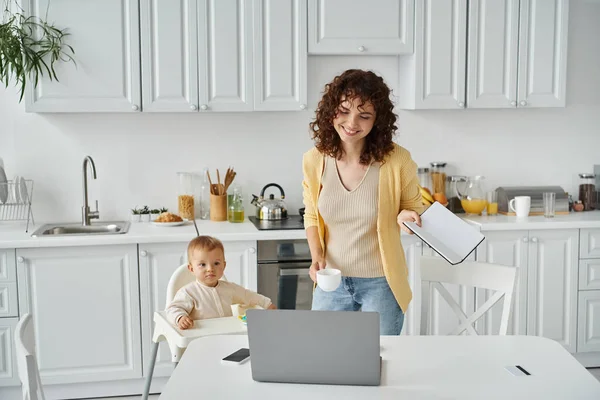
pixel 26 360
pixel 181 277
pixel 499 278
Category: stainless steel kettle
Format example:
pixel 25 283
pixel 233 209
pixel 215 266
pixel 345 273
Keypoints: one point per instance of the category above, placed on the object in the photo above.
pixel 271 208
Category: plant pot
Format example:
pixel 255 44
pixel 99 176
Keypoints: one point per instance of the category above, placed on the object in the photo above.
pixel 145 218
pixel 134 217
pixel 153 216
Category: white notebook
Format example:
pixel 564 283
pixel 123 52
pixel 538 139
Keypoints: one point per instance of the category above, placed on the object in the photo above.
pixel 447 234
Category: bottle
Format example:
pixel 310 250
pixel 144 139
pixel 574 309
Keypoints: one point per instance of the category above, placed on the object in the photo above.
pixel 235 207
pixel 204 202
pixel 587 191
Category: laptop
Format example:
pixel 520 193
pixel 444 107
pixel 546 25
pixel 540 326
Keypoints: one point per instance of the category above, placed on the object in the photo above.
pixel 320 347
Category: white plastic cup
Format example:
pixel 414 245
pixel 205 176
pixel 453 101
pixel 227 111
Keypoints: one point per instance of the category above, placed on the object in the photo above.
pixel 329 279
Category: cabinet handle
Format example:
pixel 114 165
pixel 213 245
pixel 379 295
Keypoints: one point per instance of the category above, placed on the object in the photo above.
pixel 361 48
pixel 135 107
pixel 20 260
pixel 204 107
pixel 513 103
pixel 523 103
pixel 534 240
pixel 525 240
pixel 193 107
pixel 302 106
pixel 461 104
pixel 252 250
pixel 143 253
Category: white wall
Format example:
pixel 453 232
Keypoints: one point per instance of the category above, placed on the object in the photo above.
pixel 137 155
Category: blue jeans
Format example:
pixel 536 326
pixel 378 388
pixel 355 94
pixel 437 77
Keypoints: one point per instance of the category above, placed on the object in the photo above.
pixel 366 294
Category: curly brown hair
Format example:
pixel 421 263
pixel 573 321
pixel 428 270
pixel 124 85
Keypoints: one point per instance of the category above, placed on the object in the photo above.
pixel 368 87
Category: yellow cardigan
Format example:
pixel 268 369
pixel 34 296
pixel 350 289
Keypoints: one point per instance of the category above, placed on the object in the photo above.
pixel 398 190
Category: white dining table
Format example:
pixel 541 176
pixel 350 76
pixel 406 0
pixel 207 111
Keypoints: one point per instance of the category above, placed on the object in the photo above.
pixel 413 367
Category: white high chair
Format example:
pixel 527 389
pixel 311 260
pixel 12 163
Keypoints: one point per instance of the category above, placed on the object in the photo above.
pixel 177 339
pixel 29 373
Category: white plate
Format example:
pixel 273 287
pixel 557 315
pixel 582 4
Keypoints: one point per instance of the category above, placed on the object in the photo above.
pixel 22 191
pixel 3 186
pixel 168 223
pixel 15 189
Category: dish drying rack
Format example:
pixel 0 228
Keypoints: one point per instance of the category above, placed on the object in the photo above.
pixel 17 206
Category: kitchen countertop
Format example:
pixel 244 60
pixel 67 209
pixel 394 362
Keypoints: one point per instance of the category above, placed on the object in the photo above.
pixel 574 220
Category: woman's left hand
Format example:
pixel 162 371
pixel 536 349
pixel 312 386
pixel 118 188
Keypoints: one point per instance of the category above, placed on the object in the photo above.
pixel 408 215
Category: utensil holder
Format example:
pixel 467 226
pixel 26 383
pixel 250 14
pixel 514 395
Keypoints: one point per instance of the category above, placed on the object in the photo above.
pixel 218 207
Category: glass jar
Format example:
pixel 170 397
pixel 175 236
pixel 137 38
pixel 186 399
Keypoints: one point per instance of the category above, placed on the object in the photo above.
pixel 424 178
pixel 235 206
pixel 438 177
pixel 587 191
pixel 454 182
pixel 185 195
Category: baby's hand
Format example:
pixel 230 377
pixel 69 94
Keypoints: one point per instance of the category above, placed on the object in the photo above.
pixel 272 307
pixel 185 322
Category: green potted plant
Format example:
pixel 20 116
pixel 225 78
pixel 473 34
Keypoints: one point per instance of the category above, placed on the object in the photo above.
pixel 29 48
pixel 135 214
pixel 163 210
pixel 145 214
pixel 154 213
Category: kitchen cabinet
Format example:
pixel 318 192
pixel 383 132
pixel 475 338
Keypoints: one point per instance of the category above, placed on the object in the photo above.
pixel 588 322
pixel 9 306
pixel 105 37
pixel 590 243
pixel 434 76
pixel 157 263
pixel 413 249
pixel 226 55
pixel 352 27
pixel 280 55
pixel 8 366
pixel 517 53
pixel 86 311
pixel 545 298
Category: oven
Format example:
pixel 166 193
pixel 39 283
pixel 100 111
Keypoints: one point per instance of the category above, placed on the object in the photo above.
pixel 283 273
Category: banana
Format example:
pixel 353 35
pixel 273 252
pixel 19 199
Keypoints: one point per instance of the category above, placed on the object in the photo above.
pixel 426 195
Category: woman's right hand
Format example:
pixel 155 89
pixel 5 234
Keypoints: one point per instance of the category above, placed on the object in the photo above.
pixel 315 266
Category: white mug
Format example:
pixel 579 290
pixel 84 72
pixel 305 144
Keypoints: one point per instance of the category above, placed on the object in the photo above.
pixel 520 205
pixel 329 279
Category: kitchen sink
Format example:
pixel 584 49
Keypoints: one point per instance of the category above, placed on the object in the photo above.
pixel 77 229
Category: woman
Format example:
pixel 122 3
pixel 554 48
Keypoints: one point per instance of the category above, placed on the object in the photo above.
pixel 359 187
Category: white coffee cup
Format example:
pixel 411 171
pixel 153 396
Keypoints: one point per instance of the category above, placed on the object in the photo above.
pixel 329 279
pixel 520 205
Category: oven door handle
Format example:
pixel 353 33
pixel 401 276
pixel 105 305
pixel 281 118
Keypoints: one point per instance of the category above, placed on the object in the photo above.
pixel 293 271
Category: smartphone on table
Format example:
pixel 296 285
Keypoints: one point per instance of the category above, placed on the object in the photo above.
pixel 238 357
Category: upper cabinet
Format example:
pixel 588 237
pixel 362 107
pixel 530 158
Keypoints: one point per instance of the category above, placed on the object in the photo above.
pixel 225 55
pixel 105 37
pixel 360 27
pixel 434 76
pixel 517 53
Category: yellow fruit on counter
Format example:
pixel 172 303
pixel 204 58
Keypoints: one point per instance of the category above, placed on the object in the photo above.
pixel 425 194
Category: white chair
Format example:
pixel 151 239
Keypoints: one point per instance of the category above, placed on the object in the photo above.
pixel 499 278
pixel 177 339
pixel 26 360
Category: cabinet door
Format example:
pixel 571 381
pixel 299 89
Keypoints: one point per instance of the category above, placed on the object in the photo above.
pixel 242 264
pixel 169 55
pixel 105 37
pixel 413 249
pixel 588 322
pixel 158 261
pixel 86 311
pixel 355 27
pixel 9 306
pixel 280 59
pixel 492 53
pixel 440 317
pixel 552 285
pixel 543 53
pixel 440 54
pixel 225 55
pixel 505 248
pixel 8 367
pixel 589 246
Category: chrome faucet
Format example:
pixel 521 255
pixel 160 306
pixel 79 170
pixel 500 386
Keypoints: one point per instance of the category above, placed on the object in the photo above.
pixel 86 214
